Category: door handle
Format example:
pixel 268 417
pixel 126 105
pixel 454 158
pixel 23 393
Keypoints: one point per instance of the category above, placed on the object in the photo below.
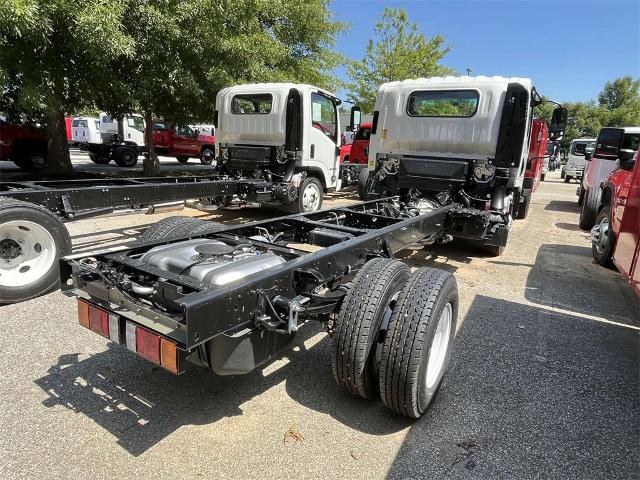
pixel 313 150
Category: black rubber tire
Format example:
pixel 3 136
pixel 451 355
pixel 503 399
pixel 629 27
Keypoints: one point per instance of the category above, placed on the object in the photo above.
pixel 126 157
pixel 542 177
pixel 207 155
pixel 297 206
pixel 562 174
pixel 589 210
pixel 363 178
pixel 182 159
pixel 408 342
pixel 567 179
pixel 11 209
pixel 30 159
pixel 99 159
pixel 177 226
pixel 581 197
pixel 523 208
pixel 604 258
pixel 358 325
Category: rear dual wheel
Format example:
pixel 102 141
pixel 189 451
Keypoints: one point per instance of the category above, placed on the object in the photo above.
pixel 393 335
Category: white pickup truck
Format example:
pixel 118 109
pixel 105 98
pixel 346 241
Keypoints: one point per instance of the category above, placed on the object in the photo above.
pixel 284 133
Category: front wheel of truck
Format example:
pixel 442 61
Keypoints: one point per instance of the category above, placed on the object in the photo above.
pixel 603 239
pixel 31 242
pixel 309 196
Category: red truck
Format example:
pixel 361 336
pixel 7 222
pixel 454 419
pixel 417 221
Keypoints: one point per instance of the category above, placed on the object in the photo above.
pixel 183 142
pixel 616 234
pixel 535 163
pixel 355 156
pixel 24 146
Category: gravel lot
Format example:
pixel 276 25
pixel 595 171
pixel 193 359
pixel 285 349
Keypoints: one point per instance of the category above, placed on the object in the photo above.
pixel 543 381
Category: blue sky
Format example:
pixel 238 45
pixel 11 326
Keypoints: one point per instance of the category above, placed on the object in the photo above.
pixel 570 48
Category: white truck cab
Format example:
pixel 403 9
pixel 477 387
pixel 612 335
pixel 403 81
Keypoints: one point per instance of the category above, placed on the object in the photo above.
pixel 85 130
pixel 120 140
pixel 281 132
pixel 461 140
pixel 575 161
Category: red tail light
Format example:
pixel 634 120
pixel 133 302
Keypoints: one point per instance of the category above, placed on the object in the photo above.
pixel 148 345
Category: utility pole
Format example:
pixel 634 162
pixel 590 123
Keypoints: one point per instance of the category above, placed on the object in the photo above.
pixel 468 71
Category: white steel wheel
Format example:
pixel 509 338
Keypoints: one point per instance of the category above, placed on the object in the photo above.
pixel 439 346
pixel 27 252
pixel 311 197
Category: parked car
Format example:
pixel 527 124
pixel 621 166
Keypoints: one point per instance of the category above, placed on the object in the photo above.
pixel 85 130
pixel 575 161
pixel 612 144
pixel 23 145
pixel 616 234
pixel 183 142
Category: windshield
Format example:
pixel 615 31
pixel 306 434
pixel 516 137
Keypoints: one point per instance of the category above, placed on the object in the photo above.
pixel 580 148
pixel 631 141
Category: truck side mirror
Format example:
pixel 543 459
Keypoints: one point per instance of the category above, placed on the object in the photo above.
pixel 558 122
pixel 587 156
pixel 626 154
pixel 354 118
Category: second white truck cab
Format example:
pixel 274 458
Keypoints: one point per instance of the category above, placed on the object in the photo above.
pixel 85 130
pixel 575 161
pixel 121 140
pixel 464 140
pixel 281 132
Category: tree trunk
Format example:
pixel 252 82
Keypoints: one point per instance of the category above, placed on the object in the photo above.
pixel 58 158
pixel 151 164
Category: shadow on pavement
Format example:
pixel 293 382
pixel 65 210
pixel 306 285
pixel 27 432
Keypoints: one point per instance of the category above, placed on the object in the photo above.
pixel 565 276
pixel 530 394
pixel 568 226
pixel 141 404
pixel 563 206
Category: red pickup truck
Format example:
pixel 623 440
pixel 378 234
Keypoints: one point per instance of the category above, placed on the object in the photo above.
pixel 24 146
pixel 355 157
pixel 535 162
pixel 183 142
pixel 616 234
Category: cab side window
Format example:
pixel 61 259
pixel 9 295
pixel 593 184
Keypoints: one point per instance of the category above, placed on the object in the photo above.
pixel 324 115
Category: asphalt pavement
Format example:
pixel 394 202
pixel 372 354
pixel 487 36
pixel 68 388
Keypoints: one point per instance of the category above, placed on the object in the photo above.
pixel 543 381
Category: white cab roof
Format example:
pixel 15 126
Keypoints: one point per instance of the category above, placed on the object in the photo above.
pixel 453 82
pixel 272 87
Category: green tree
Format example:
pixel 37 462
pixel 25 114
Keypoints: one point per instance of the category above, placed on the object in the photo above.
pixel 163 58
pixel 53 56
pixel 399 51
pixel 619 93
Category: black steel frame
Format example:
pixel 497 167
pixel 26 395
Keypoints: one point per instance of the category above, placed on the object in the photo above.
pixel 205 312
pixel 72 199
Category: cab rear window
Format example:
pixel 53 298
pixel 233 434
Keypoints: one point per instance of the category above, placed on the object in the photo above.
pixel 248 104
pixel 79 123
pixel 443 103
pixel 363 134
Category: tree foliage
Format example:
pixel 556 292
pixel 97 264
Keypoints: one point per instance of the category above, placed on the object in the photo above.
pixel 163 58
pixel 618 105
pixel 398 51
